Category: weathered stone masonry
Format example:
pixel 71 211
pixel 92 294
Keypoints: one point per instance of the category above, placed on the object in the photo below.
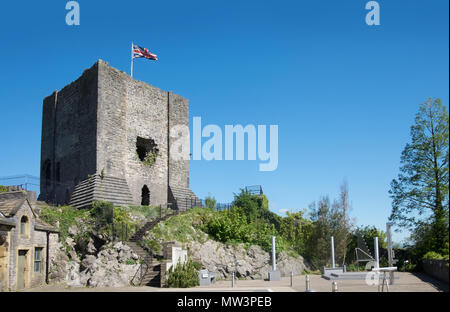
pixel 90 133
pixel 23 236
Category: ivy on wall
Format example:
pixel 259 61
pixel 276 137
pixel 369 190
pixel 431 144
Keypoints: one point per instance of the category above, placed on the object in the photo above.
pixel 150 157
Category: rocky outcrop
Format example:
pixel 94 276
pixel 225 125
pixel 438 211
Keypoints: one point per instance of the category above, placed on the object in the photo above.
pixel 58 263
pixel 251 263
pixel 113 266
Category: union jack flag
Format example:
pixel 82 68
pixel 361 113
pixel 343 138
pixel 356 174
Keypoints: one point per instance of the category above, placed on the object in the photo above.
pixel 143 52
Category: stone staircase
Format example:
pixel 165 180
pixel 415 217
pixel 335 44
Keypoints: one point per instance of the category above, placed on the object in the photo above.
pixel 110 189
pixel 150 265
pixel 183 199
pixel 137 236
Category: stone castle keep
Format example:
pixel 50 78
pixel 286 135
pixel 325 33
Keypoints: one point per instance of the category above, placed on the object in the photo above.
pixel 106 137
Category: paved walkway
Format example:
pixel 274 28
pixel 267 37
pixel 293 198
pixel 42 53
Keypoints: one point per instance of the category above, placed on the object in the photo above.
pixel 404 282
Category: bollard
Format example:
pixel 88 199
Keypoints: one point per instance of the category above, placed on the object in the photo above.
pixel 308 283
pixel 232 280
pixel 334 286
pixel 377 258
pixel 274 259
pixel 292 278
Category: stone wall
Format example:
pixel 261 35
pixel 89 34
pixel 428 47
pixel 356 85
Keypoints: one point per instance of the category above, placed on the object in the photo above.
pixel 129 109
pixel 178 115
pixel 29 242
pixel 437 268
pixel 69 137
pixel 248 263
pixel 4 256
pixel 92 125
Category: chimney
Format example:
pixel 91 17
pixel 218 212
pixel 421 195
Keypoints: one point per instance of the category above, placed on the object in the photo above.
pixel 31 196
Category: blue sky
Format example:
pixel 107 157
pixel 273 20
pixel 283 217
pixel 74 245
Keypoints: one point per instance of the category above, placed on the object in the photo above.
pixel 342 93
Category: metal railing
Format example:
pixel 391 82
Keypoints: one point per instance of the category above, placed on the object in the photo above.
pixel 34 183
pixel 254 189
pixel 141 272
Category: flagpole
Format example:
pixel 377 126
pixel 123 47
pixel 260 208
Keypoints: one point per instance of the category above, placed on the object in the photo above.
pixel 131 59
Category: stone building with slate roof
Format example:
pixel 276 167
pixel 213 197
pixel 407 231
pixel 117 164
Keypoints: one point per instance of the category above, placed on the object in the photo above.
pixel 26 242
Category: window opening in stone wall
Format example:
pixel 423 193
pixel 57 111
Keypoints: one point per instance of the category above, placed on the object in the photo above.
pixel 23 225
pixel 38 260
pixel 146 150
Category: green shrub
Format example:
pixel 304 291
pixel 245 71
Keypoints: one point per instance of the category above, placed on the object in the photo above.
pixel 232 227
pixel 210 202
pixel 146 212
pixel 431 255
pixel 251 205
pixel 181 228
pixel 3 189
pixel 102 211
pixel 183 276
pixel 64 217
pixel 229 226
pixel 197 265
pixel 410 267
pixel 153 244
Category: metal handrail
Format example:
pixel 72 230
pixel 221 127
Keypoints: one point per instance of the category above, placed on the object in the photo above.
pixel 143 268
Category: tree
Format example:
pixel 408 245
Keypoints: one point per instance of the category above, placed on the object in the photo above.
pixel 329 220
pixel 295 229
pixel 420 193
pixel 210 202
pixel 342 221
pixel 256 207
pixel 318 245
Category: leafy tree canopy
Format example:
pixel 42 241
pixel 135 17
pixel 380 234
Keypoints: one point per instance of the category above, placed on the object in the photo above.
pixel 420 192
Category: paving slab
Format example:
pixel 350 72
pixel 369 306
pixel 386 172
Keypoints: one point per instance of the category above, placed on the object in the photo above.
pixel 404 282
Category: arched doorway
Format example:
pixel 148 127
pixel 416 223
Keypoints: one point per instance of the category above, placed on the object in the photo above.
pixel 145 196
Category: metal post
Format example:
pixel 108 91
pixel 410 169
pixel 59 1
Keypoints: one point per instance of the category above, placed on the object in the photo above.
pixel 131 71
pixel 308 283
pixel 292 278
pixel 377 258
pixel 386 281
pixel 332 253
pixel 390 251
pixel 232 280
pixel 274 260
pixel 334 286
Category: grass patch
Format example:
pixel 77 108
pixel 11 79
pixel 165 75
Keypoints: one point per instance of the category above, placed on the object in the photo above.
pixel 64 217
